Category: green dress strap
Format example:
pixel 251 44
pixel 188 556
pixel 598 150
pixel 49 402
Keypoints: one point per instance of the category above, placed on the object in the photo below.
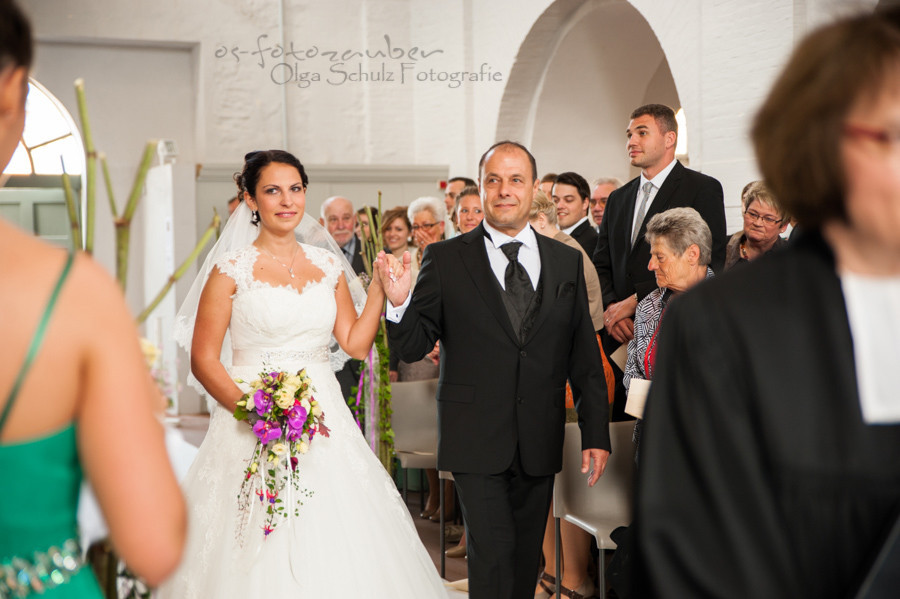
pixel 36 340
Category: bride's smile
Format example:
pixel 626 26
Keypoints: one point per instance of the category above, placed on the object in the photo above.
pixel 280 197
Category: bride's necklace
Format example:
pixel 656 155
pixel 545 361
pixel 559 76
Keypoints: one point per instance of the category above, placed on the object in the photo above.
pixel 290 268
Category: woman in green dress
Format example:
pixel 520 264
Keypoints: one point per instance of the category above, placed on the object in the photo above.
pixel 74 392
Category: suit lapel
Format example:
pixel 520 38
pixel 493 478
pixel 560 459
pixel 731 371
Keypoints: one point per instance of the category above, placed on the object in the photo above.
pixel 473 255
pixel 550 271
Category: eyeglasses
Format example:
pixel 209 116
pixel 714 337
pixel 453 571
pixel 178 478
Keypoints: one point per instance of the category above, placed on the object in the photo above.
pixel 426 226
pixel 885 137
pixel 753 216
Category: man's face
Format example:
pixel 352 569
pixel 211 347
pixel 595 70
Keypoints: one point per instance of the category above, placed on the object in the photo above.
pixel 507 188
pixel 570 208
pixel 647 145
pixel 340 220
pixel 598 200
pixel 547 188
pixel 450 194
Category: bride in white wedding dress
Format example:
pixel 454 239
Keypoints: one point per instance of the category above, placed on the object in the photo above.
pixel 280 302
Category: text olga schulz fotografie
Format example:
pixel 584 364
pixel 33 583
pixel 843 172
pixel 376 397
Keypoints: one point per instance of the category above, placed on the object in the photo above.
pixel 406 72
pixel 396 64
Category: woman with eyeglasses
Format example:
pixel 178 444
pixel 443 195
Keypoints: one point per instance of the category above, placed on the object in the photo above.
pixel 764 222
pixel 770 460
pixel 427 216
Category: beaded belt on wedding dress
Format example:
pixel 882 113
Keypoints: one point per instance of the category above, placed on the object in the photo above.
pixel 20 577
pixel 276 357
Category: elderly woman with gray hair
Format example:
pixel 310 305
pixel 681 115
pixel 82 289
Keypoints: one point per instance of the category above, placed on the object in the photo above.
pixel 428 216
pixel 680 253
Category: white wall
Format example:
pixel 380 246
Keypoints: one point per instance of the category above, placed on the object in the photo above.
pixel 561 75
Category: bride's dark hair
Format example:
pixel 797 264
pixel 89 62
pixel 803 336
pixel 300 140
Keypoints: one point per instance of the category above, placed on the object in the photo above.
pixel 255 162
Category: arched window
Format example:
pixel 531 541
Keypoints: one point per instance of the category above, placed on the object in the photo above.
pixel 32 195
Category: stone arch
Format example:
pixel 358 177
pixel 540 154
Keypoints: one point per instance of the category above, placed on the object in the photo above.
pixel 578 74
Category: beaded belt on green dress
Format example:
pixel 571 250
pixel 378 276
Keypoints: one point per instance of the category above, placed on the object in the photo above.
pixel 20 577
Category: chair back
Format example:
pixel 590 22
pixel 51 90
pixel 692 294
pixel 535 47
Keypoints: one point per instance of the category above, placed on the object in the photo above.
pixel 608 504
pixel 414 418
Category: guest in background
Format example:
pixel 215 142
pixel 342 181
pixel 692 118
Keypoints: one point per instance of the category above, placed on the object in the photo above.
pixel 455 185
pixel 680 252
pixel 769 463
pixel 428 216
pixel 339 218
pixel 75 393
pixel 543 218
pixel 572 197
pixel 467 211
pixel 363 231
pixel 547 182
pixel 600 195
pixel 576 543
pixel 764 222
pixel 396 230
pixel 622 252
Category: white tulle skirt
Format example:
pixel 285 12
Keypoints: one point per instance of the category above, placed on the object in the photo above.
pixel 353 537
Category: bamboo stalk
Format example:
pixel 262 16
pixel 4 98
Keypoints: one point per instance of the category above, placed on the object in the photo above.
pixel 72 209
pixel 207 235
pixel 91 175
pixel 139 180
pixel 123 223
pixel 109 188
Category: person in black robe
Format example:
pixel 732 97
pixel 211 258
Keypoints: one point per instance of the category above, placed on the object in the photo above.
pixel 770 459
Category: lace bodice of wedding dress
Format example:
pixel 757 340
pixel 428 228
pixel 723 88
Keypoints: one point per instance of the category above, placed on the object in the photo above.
pixel 353 536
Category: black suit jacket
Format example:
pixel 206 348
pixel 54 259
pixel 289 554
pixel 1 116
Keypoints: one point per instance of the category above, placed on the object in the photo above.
pixel 755 457
pixel 586 236
pixel 357 263
pixel 623 269
pixel 497 393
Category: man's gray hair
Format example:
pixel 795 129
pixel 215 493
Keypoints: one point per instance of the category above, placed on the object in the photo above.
pixel 328 202
pixel 437 208
pixel 614 181
pixel 681 228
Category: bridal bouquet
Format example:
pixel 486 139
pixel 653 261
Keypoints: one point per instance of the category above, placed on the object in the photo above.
pixel 285 417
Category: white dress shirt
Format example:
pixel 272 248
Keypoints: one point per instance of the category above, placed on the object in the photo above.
pixel 529 257
pixel 657 182
pixel 568 230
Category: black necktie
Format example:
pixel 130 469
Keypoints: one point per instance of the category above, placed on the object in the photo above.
pixel 518 284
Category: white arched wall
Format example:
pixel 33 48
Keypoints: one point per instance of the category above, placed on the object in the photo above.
pixel 722 57
pixel 577 88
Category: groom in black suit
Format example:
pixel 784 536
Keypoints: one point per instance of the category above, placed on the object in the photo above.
pixel 511 312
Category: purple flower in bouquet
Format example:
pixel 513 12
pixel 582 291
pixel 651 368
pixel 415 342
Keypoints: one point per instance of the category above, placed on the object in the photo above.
pixel 262 401
pixel 266 431
pixel 296 418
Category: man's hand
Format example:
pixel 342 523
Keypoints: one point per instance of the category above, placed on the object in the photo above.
pixel 395 276
pixel 622 331
pixel 435 354
pixel 619 310
pixel 595 471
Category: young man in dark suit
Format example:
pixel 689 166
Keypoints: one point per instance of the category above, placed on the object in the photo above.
pixel 572 197
pixel 622 253
pixel 511 312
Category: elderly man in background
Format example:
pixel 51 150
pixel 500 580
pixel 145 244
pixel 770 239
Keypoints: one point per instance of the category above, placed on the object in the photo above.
pixel 599 196
pixel 339 217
